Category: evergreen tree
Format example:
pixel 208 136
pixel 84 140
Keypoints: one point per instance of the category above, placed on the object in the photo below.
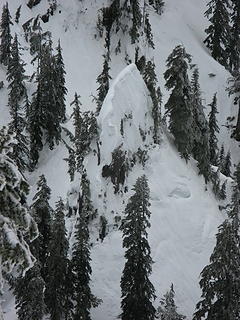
pixel 179 103
pixel 168 309
pixel 226 169
pixel 157 5
pixel 42 213
pixel 137 290
pixel 103 81
pixel 234 42
pixel 222 194
pixel 222 158
pixel 200 128
pixel 18 13
pixel 16 76
pixel 29 295
pixel 77 122
pixel 213 130
pixel 219 30
pixel 84 300
pixel 5 36
pixel 148 30
pixel 61 90
pixel 16 224
pixel 234 89
pixel 150 78
pixel 57 268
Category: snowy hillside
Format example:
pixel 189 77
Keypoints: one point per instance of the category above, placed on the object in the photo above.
pixel 185 215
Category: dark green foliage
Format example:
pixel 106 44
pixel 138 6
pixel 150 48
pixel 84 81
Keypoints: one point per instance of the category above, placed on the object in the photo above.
pixel 226 167
pixel 137 290
pixel 14 214
pixel 103 228
pixel 215 183
pixel 56 293
pixel 220 279
pixel 222 194
pixel 29 295
pixel 5 36
pixel 219 30
pixel 168 309
pixel 158 5
pixel 18 13
pixel 234 89
pixel 42 213
pixel 234 42
pixel 103 81
pixel 213 130
pixel 178 105
pixel 83 297
pixel 16 76
pixel 61 90
pixel 150 78
pixel 200 149
pixel 221 158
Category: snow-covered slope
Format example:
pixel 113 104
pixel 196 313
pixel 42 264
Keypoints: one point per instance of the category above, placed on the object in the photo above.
pixel 184 216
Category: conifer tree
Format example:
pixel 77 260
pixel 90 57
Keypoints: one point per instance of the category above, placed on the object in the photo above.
pixel 29 295
pixel 222 194
pixel 61 90
pixel 16 224
pixel 103 81
pixel 84 300
pixel 148 30
pixel 16 76
pixel 219 30
pixel 150 78
pixel 178 105
pixel 222 158
pixel 200 129
pixel 137 290
pixel 213 130
pixel 234 42
pixel 220 280
pixel 18 13
pixel 57 268
pixel 42 213
pixel 5 36
pixel 226 169
pixel 168 309
pixel 157 5
pixel 234 89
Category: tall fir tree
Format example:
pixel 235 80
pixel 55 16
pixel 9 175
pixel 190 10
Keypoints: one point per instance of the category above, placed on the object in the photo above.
pixel 137 290
pixel 200 128
pixel 178 105
pixel 219 30
pixel 61 89
pixel 213 131
pixel 150 78
pixel 234 89
pixel 226 168
pixel 234 42
pixel 168 309
pixel 103 81
pixel 29 295
pixel 42 213
pixel 57 290
pixel 15 219
pixel 222 158
pixel 16 76
pixel 84 300
pixel 5 36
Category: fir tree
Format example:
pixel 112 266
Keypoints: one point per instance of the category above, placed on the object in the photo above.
pixel 18 13
pixel 234 89
pixel 213 130
pixel 226 169
pixel 148 31
pixel 157 5
pixel 84 300
pixel 29 295
pixel 57 268
pixel 137 290
pixel 42 213
pixel 222 158
pixel 234 42
pixel 222 194
pixel 103 81
pixel 168 309
pixel 179 102
pixel 220 280
pixel 150 79
pixel 5 36
pixel 61 90
pixel 15 219
pixel 219 30
pixel 16 76
pixel 200 128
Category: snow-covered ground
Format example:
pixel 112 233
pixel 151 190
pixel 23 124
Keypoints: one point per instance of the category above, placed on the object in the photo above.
pixel 184 216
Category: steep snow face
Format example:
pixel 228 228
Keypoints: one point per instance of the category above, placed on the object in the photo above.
pixel 126 114
pixel 184 215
